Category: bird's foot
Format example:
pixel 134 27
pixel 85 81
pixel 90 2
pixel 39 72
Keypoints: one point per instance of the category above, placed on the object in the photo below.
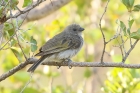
pixel 58 65
pixel 69 61
pixel 65 61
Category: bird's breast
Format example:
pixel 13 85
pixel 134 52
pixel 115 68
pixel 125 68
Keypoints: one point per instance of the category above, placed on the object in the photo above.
pixel 68 53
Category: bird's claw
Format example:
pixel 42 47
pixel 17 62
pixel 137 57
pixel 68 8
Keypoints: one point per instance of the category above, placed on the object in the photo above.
pixel 66 61
pixel 69 61
pixel 58 67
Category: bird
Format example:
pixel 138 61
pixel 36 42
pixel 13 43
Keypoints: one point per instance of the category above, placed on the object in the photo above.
pixel 61 47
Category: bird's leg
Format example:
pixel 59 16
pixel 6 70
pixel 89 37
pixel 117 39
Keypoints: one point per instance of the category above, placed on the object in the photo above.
pixel 69 61
pixel 63 60
pixel 58 65
pixel 66 61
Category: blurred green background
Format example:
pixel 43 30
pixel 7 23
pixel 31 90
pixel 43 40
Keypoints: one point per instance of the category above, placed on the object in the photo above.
pixel 49 79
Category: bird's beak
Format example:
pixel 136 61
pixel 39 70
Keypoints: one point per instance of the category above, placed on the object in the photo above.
pixel 81 29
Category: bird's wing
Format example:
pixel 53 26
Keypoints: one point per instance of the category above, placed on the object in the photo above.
pixel 59 43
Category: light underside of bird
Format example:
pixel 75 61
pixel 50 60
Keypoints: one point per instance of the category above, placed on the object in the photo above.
pixel 62 55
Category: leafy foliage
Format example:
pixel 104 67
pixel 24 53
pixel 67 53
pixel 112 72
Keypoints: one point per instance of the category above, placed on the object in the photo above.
pixel 33 44
pixel 121 80
pixel 27 3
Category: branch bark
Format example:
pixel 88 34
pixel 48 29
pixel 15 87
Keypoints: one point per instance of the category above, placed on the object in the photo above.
pixel 36 14
pixel 73 64
pixel 1 33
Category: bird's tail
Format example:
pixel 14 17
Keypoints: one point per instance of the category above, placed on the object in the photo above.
pixel 36 64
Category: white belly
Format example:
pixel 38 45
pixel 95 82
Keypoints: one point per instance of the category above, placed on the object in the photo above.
pixel 68 53
pixel 62 55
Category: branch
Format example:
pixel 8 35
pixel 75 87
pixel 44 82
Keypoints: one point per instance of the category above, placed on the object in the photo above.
pixel 73 64
pixel 129 51
pixel 1 33
pixel 36 14
pixel 102 32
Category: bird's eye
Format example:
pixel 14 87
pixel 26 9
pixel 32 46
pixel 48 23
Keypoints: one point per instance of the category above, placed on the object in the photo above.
pixel 74 29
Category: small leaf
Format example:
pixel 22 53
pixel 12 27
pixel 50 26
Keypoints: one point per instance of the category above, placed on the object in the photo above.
pixel 13 42
pixel 33 44
pixel 1 10
pixel 27 3
pixel 128 31
pixel 14 3
pixel 9 29
pixel 130 22
pixel 16 53
pixel 136 8
pixel 135 35
pixel 128 3
pixel 118 21
pixel 8 26
pixel 131 3
pixel 123 27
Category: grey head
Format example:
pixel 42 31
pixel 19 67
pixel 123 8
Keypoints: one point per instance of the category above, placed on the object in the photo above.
pixel 74 29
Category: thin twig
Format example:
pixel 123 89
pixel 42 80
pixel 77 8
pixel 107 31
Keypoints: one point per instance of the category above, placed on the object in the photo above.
pixel 1 33
pixel 19 42
pixel 102 32
pixel 18 9
pixel 115 36
pixel 31 74
pixel 21 47
pixel 6 5
pixel 123 44
pixel 129 35
pixel 51 86
pixel 127 54
pixel 120 48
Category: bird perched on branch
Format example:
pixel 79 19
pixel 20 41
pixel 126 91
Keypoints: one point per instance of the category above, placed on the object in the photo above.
pixel 61 47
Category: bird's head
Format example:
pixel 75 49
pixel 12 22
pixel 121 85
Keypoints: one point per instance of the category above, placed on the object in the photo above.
pixel 74 29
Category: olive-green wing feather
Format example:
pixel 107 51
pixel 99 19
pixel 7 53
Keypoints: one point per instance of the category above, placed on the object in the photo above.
pixel 59 43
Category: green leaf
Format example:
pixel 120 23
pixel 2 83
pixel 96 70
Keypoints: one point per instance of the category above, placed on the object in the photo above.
pixel 16 53
pixel 123 27
pixel 131 3
pixel 135 35
pixel 33 44
pixel 128 3
pixel 130 23
pixel 1 10
pixel 136 8
pixel 128 31
pixel 27 3
pixel 14 3
pixel 9 28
